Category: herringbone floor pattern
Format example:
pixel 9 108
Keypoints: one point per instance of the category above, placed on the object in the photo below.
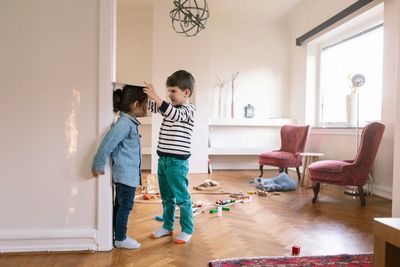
pixel 267 226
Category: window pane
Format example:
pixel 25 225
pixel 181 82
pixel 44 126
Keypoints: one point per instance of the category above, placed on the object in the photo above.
pixel 362 54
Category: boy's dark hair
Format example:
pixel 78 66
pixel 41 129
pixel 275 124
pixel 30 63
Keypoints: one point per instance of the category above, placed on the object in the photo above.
pixel 123 99
pixel 182 79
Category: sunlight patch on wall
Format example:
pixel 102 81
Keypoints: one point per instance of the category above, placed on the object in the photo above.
pixel 71 134
pixel 71 128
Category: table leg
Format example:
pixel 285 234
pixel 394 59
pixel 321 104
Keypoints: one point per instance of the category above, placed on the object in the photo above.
pixel 379 252
pixel 304 170
pixel 392 255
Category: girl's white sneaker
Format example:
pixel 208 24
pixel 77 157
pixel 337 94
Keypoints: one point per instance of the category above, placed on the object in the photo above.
pixel 128 243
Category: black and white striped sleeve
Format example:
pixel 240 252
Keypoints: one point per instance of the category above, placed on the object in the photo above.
pixel 183 113
pixel 152 107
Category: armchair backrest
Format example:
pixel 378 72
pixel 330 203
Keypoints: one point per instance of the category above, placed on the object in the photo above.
pixel 294 138
pixel 370 140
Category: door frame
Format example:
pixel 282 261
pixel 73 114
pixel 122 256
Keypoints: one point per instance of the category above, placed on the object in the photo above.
pixel 106 76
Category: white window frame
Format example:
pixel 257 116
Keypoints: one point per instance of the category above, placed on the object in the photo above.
pixel 332 39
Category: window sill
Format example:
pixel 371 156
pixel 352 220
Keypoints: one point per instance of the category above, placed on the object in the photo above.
pixel 351 131
pixel 336 127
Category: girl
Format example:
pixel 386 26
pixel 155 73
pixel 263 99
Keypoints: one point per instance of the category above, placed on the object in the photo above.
pixel 122 142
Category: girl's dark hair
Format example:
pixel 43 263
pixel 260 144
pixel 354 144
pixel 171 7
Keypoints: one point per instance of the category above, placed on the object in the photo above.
pixel 182 79
pixel 123 99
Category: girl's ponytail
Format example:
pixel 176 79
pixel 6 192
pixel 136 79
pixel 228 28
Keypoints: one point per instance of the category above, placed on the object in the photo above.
pixel 117 97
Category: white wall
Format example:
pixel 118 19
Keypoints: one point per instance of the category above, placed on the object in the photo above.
pixel 134 44
pixel 339 144
pixel 48 101
pixel 259 51
pixel 134 55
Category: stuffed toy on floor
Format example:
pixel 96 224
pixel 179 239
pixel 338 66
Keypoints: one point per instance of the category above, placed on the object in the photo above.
pixel 282 182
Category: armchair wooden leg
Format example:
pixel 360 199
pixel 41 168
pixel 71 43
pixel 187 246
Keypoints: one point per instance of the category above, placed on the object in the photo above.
pixel 316 187
pixel 362 196
pixel 281 169
pixel 261 170
pixel 286 170
pixel 298 174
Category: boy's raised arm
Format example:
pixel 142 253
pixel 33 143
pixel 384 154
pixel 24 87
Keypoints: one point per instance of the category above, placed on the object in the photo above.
pixel 152 107
pixel 183 113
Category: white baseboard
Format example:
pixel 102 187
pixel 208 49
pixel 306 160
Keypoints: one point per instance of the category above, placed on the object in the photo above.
pixel 238 166
pixel 246 166
pixel 383 191
pixel 36 240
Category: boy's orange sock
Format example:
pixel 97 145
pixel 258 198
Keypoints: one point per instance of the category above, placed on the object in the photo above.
pixel 182 238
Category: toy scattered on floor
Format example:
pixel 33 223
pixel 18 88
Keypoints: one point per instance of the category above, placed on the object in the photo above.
pixel 262 193
pixel 197 208
pixel 198 204
pixel 232 201
pixel 159 218
pixel 219 211
pixel 245 199
pixel 208 185
pixel 224 202
pixel 282 182
pixel 237 195
pixel 242 198
pixel 148 193
pixel 197 211
pixel 149 187
pixel 296 250
pixel 148 199
pixel 151 196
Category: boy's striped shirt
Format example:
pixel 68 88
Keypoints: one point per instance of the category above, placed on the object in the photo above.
pixel 176 129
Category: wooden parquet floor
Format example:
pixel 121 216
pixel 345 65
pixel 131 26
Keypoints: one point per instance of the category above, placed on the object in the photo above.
pixel 264 227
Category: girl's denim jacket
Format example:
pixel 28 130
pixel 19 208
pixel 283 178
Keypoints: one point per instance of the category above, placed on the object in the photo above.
pixel 122 142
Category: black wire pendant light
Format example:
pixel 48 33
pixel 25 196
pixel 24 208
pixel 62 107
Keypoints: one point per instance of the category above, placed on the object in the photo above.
pixel 189 17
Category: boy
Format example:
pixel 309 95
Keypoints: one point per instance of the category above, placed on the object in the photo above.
pixel 174 150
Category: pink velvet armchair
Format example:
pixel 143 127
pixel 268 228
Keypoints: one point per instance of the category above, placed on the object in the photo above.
pixel 350 172
pixel 293 141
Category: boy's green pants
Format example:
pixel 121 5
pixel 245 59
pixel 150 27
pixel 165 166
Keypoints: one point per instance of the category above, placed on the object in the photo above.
pixel 173 182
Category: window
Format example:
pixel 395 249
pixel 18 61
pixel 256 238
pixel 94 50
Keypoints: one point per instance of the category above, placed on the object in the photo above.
pixel 361 53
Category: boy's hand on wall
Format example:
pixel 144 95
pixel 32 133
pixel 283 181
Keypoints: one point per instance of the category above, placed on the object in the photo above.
pixel 151 92
pixel 96 173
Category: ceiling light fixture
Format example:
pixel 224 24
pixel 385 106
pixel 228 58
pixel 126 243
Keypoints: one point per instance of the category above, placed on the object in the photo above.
pixel 189 17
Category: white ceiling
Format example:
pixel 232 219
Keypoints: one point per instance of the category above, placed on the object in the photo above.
pixel 234 9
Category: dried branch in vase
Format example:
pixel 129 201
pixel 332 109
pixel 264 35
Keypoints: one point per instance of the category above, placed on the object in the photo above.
pixel 221 83
pixel 234 76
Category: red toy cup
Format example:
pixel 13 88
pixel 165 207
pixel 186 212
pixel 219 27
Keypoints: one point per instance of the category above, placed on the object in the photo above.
pixel 295 250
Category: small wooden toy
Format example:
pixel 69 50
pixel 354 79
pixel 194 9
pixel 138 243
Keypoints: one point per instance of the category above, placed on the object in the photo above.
pixel 213 211
pixel 262 193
